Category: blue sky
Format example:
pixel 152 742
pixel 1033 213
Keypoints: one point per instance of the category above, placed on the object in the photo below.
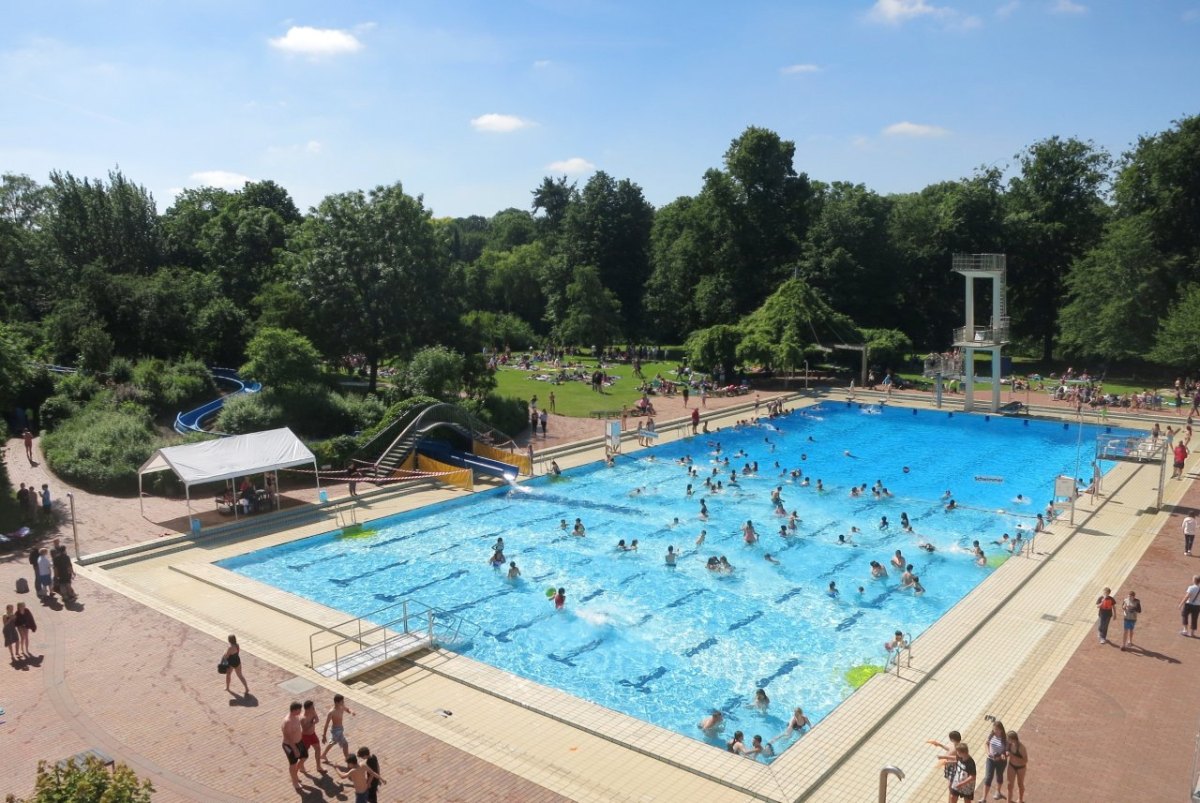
pixel 471 103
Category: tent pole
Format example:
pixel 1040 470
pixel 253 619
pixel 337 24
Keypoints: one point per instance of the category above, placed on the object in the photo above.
pixel 187 492
pixel 276 473
pixel 141 499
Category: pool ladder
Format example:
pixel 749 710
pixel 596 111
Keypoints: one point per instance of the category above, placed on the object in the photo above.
pixel 895 656
pixel 883 780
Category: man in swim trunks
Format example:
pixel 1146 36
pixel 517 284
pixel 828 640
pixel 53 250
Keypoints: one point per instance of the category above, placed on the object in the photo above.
pixel 308 732
pixel 361 777
pixel 293 745
pixel 334 719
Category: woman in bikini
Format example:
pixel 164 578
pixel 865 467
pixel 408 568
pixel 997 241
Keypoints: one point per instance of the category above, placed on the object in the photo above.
pixel 1018 757
pixel 233 657
pixel 796 724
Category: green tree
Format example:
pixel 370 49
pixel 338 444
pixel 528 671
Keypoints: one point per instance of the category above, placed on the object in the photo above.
pixel 796 314
pixel 89 782
pixel 593 311
pixel 114 225
pixel 1178 342
pixel 1056 213
pixel 1116 295
pixel 281 358
pixel 15 370
pixel 608 227
pixel 552 198
pixel 714 347
pixel 433 371
pixel 373 270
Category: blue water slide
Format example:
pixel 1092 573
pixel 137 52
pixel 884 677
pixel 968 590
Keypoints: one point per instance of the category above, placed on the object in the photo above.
pixel 440 450
pixel 193 420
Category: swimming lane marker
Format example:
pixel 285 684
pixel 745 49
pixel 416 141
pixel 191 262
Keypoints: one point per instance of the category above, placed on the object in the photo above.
pixel 986 478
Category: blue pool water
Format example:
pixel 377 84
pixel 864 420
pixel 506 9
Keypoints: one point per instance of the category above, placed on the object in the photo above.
pixel 664 644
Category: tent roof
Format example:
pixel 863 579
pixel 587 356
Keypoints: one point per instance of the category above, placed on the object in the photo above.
pixel 235 456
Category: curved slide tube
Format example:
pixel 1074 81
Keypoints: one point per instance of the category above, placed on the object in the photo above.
pixel 439 450
pixel 193 420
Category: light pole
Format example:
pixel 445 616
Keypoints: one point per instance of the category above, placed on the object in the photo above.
pixel 74 528
pixel 806 374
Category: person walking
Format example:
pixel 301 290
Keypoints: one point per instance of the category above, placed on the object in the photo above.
pixel 1189 532
pixel 1105 605
pixel 233 658
pixel 1131 607
pixel 371 761
pixel 27 437
pixel 25 626
pixel 293 745
pixel 45 499
pixel 11 639
pixel 34 552
pixel 1189 607
pixel 543 419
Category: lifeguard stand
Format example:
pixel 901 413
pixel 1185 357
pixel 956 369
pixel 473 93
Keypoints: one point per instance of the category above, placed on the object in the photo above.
pixel 972 338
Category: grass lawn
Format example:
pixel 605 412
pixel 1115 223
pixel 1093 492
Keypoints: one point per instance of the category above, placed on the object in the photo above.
pixel 576 398
pixel 1114 382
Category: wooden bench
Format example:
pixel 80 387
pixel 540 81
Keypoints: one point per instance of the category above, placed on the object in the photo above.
pixel 605 414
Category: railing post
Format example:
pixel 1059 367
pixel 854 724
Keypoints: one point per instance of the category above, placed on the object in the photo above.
pixel 430 615
pixel 883 780
pixel 405 616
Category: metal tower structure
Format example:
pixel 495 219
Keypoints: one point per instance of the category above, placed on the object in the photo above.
pixel 993 337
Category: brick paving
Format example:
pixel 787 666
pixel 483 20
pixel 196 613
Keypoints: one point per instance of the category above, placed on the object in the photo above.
pixel 113 674
pixel 1123 725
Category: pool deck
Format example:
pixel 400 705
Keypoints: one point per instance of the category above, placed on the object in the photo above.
pixel 996 653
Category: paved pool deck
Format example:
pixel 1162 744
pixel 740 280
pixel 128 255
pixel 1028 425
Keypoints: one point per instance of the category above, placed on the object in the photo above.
pixel 132 673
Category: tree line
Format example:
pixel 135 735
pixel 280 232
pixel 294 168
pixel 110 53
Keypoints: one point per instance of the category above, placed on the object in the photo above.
pixel 1103 254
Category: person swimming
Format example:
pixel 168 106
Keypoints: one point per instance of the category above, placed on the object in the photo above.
pixel 703 510
pixel 977 552
pixel 579 530
pixel 513 571
pixel 621 546
pixel 898 559
pixel 749 534
pixel 670 558
pixel 878 571
pixel 951 505
pixel 883 523
pixel 554 469
pixel 832 590
pixel 712 723
pixel 700 538
pixel 769 558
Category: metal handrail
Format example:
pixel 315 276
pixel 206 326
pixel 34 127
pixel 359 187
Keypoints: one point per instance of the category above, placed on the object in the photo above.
pixel 895 656
pixel 427 615
pixel 883 780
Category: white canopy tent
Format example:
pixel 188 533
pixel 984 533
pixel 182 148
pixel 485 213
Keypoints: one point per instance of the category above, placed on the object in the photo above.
pixel 229 458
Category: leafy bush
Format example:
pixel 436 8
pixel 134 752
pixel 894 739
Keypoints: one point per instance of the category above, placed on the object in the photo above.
pixel 89 782
pixel 55 410
pixel 172 386
pixel 101 447
pixel 311 411
pixel 281 358
pixel 120 369
pixel 498 329
pixel 433 371
pixel 78 388
pixel 365 411
pixel 393 414
pixel 508 415
pixel 335 452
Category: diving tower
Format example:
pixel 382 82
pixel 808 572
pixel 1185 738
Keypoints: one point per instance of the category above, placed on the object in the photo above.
pixel 992 337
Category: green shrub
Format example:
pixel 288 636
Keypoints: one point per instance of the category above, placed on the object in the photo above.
pixel 249 413
pixel 508 415
pixel 55 410
pixel 79 387
pixel 88 782
pixel 365 411
pixel 335 452
pixel 120 370
pixel 173 386
pixel 101 447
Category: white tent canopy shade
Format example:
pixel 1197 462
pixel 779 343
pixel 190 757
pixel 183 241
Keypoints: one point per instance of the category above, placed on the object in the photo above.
pixel 228 458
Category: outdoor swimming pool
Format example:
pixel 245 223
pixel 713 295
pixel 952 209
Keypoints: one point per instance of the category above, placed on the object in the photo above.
pixel 667 644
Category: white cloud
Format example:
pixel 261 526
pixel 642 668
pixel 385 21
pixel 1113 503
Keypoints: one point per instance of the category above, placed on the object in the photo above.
pixel 1005 11
pixel 1068 7
pixel 303 40
pixel 542 64
pixel 500 123
pixel 576 164
pixel 224 179
pixel 907 129
pixel 313 146
pixel 896 12
pixel 799 69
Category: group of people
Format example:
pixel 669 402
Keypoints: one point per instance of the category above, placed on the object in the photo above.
pixel 30 500
pixel 18 624
pixel 300 737
pixel 713 724
pixel 53 571
pixel 1007 758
